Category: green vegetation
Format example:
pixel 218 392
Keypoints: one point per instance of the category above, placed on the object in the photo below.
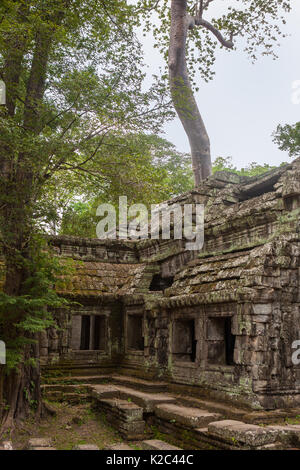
pixel 83 426
pixel 74 76
pixel 253 169
pixel 80 128
pixel 287 137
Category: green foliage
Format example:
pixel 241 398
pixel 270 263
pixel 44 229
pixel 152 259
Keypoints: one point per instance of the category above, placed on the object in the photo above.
pixel 253 169
pixel 254 25
pixel 74 76
pixel 145 168
pixel 287 137
pixel 23 316
pixel 155 174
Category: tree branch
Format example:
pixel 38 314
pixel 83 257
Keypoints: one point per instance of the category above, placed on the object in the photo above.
pixel 206 4
pixel 206 24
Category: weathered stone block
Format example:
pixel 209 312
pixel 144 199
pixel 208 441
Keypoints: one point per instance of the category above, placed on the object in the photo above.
pixel 156 444
pixel 190 417
pixel 39 442
pixel 262 309
pixel 241 433
pixel 6 445
pixel 86 447
pixel 289 434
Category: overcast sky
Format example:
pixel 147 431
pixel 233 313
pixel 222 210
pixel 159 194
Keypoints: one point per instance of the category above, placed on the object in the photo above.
pixel 244 103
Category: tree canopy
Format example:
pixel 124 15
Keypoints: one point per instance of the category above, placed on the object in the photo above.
pixel 188 33
pixel 287 137
pixel 73 71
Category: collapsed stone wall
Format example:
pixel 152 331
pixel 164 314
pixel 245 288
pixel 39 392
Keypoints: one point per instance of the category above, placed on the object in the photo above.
pixel 222 320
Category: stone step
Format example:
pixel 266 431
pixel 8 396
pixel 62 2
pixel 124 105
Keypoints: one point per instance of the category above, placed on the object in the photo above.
pixel 78 368
pixel 127 411
pixel 189 438
pixel 126 417
pixel 43 448
pixel 269 416
pixel 207 441
pixel 156 444
pixel 39 443
pixel 224 409
pixel 86 447
pixel 80 379
pixel 72 398
pixel 288 434
pixel 6 445
pixel 119 446
pixel 140 384
pixel 78 388
pixel 186 416
pixel 147 401
pixel 242 434
pixel 104 391
pixel 73 394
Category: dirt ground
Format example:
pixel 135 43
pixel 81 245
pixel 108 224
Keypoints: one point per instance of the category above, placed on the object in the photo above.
pixel 72 425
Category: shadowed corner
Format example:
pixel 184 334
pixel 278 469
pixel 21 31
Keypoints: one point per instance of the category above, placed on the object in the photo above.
pixel 2 353
pixel 2 92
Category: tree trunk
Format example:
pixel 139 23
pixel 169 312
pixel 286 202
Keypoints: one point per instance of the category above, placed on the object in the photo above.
pixel 21 391
pixel 21 387
pixel 182 94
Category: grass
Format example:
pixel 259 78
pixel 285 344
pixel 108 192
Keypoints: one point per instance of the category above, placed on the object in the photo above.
pixel 295 420
pixel 72 425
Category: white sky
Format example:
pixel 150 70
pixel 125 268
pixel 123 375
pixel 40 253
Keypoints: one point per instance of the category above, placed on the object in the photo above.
pixel 244 103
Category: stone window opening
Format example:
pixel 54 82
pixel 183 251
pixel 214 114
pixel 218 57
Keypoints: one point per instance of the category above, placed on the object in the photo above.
pixel 292 202
pixel 135 335
pixel 160 283
pixel 184 347
pixel 89 332
pixel 220 341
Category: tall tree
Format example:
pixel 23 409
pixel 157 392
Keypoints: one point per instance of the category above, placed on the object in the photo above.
pixel 72 70
pixel 185 27
pixel 287 137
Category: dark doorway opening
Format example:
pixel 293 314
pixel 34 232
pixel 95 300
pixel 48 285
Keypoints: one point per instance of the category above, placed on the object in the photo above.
pixel 85 332
pixel 99 333
pixel 135 338
pixel 184 342
pixel 292 202
pixel 229 342
pixel 220 341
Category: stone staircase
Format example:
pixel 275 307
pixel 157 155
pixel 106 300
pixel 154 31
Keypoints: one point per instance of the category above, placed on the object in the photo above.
pixel 73 394
pixel 139 384
pixel 126 417
pixel 139 409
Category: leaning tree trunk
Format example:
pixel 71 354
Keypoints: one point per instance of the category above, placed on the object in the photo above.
pixel 21 391
pixel 20 386
pixel 182 94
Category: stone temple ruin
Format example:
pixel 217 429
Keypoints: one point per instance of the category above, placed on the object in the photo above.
pixel 217 325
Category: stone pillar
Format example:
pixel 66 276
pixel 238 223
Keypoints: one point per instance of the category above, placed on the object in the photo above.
pixel 43 339
pixel 92 332
pixel 76 332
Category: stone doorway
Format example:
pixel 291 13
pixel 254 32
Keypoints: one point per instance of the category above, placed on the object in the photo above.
pixel 184 343
pixel 135 336
pixel 220 341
